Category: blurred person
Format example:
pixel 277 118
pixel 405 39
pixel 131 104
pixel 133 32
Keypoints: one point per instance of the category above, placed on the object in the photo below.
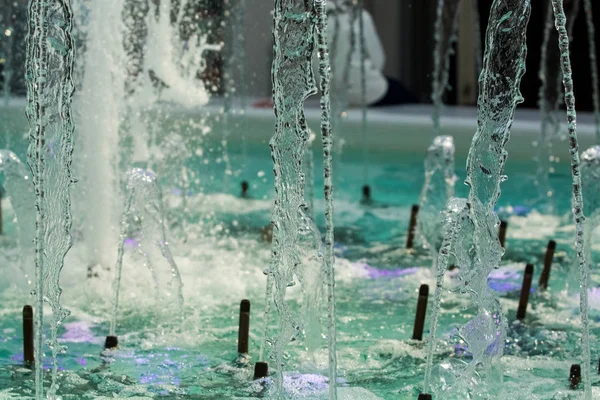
pixel 380 89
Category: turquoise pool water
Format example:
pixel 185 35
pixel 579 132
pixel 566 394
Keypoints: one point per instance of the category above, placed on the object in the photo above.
pixel 221 255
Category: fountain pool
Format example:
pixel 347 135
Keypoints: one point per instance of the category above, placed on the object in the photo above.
pixel 222 255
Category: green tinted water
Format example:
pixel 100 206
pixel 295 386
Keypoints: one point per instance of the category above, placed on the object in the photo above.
pixel 222 262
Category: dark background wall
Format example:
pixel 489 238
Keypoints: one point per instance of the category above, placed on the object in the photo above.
pixel 406 29
pixel 579 52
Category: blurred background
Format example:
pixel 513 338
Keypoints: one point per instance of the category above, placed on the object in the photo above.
pixel 405 28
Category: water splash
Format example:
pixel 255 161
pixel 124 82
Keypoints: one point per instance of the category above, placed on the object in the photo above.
pixel 363 88
pixel 19 188
pixel 7 51
pixel 550 102
pixel 437 189
pixel 309 173
pixel 327 140
pixel 340 88
pixel 49 91
pixel 234 81
pixel 590 183
pixel 590 180
pixel 479 253
pixel 565 63
pixel 143 217
pixel 174 62
pixel 100 108
pixel 591 29
pixel 456 221
pixel 173 58
pixel 446 26
pixel 293 82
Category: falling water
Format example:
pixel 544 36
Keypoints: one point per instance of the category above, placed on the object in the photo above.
pixel 477 33
pixel 175 62
pixel 234 79
pixel 363 88
pixel 171 64
pixel 503 67
pixel 550 101
pixel 241 90
pixel 229 63
pixel 590 183
pixel 327 140
pixel 312 277
pixel 143 205
pixel 456 219
pixel 479 253
pixel 7 71
pixel 100 110
pixel 565 62
pixel 19 189
pixel 339 93
pixel 589 17
pixel 293 82
pixel 446 25
pixel 49 91
pixel 309 173
pixel 437 189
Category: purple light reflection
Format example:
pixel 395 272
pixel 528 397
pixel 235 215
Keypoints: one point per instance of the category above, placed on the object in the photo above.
pixel 142 361
pixel 131 243
pixel 375 273
pixel 78 332
pixel 306 383
pixel 504 287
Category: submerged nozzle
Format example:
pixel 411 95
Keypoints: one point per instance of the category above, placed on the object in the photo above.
pixel 366 195
pixel 245 186
pixel 545 276
pixel 266 233
pixel 411 226
pixel 421 313
pixel 261 370
pixel 575 376
pixel 525 289
pixel 425 396
pixel 112 342
pixel 244 327
pixel 1 224
pixel 502 232
pixel 28 352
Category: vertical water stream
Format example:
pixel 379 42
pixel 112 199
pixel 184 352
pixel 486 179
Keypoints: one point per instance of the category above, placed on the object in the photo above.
pixel 144 204
pixel 293 82
pixel 565 63
pixel 50 88
pixel 7 71
pixel 18 187
pixel 327 139
pixel 477 33
pixel 479 252
pixel 363 88
pixel 444 37
pixel 591 29
pixel 437 189
pixel 550 101
pixel 101 104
